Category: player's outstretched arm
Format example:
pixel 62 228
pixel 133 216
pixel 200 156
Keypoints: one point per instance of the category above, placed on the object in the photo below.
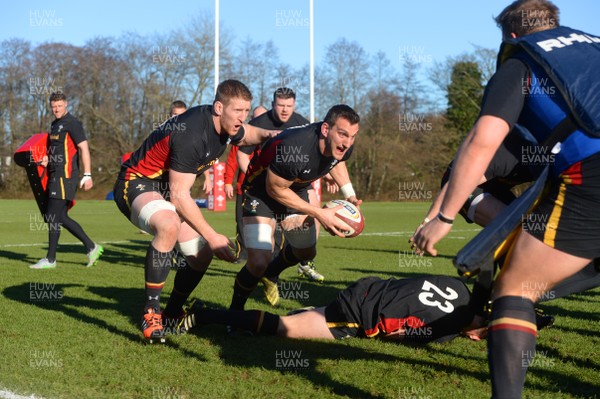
pixel 474 156
pixel 255 135
pixel 434 209
pixel 180 185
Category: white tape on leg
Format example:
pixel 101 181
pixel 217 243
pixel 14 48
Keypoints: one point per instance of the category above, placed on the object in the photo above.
pixel 258 236
pixel 143 219
pixel 191 247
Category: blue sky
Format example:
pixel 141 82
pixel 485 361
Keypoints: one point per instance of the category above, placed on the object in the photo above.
pixel 435 28
pixel 427 30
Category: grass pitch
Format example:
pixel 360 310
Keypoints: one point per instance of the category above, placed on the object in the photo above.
pixel 74 332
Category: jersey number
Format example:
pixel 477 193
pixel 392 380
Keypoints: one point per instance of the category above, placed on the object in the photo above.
pixel 425 297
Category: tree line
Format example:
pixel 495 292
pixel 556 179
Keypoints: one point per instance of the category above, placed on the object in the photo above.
pixel 121 89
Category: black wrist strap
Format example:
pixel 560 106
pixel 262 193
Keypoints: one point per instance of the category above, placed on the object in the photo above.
pixel 444 219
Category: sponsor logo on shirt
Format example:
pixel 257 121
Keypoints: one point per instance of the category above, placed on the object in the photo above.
pixel 562 41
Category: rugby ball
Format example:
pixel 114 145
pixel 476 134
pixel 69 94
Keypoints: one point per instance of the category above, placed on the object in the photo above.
pixel 349 214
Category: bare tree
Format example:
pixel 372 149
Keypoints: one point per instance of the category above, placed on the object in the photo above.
pixel 121 88
pixel 196 41
pixel 346 70
pixel 383 74
pixel 15 65
pixel 263 82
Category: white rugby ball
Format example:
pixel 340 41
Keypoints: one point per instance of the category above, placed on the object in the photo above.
pixel 349 214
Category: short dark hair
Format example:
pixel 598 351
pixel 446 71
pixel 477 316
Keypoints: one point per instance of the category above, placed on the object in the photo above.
pixel 284 93
pixel 341 111
pixel 178 104
pixel 57 96
pixel 523 17
pixel 229 89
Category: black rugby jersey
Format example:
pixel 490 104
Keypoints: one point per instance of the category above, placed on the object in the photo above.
pixel 427 308
pixel 63 156
pixel 267 121
pixel 186 143
pixel 293 155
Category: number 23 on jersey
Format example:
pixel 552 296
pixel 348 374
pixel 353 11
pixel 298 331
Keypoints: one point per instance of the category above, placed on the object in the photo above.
pixel 430 292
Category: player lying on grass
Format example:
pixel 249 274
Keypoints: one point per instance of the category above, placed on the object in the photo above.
pixel 419 309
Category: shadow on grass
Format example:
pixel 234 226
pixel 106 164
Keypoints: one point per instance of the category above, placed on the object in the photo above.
pixel 566 383
pixel 69 304
pixel 390 251
pixel 403 272
pixel 113 254
pixel 591 296
pixel 543 365
pixel 223 269
pixel 125 301
pixel 291 286
pixel 550 352
pixel 131 253
pixel 300 358
pixel 559 311
pixel 17 256
pixel 308 359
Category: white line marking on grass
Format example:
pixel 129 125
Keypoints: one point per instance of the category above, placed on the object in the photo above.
pixel 39 244
pixel 402 233
pixel 377 234
pixel 11 395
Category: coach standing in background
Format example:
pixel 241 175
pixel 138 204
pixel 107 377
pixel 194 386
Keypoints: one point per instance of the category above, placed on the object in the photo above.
pixel 537 55
pixel 66 143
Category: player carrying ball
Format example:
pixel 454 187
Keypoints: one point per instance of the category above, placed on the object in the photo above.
pixel 275 193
